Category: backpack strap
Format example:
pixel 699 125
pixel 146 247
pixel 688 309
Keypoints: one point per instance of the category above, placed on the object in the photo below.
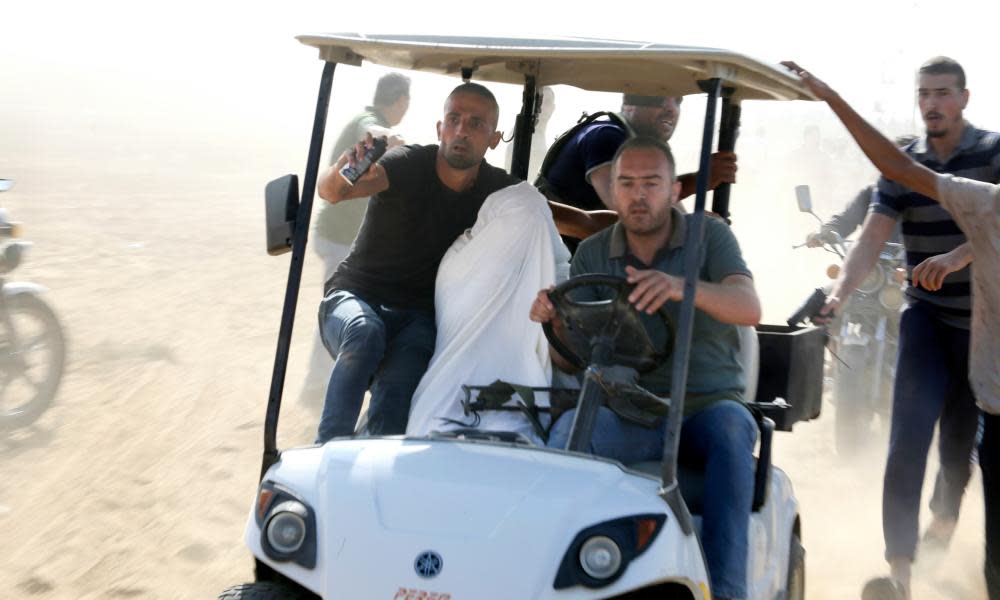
pixel 541 182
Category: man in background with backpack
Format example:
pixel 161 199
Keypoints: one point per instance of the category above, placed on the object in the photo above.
pixel 577 168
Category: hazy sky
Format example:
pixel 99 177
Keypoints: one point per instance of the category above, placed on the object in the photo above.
pixel 223 88
pixel 230 73
pixel 189 56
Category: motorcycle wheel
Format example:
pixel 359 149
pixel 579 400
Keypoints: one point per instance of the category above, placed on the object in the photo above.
pixel 852 394
pixel 32 368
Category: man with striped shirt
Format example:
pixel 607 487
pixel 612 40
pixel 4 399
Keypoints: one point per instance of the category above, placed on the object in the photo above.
pixel 932 370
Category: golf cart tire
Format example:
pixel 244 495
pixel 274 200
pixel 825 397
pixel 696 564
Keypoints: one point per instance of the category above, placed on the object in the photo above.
pixel 264 590
pixel 795 588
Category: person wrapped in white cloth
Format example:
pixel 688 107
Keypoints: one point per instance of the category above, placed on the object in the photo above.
pixel 485 286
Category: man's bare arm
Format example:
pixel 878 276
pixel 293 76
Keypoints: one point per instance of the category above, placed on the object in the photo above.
pixel 578 223
pixel 600 180
pixel 887 158
pixel 733 300
pixel 723 170
pixel 333 188
pixel 860 259
pixel 930 273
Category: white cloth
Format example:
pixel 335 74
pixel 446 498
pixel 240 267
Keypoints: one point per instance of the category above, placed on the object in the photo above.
pixel 485 286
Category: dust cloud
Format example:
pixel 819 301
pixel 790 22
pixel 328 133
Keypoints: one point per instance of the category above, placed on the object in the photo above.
pixel 148 234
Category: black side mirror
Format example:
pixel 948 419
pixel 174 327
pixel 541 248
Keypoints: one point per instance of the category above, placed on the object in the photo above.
pixel 804 198
pixel 281 205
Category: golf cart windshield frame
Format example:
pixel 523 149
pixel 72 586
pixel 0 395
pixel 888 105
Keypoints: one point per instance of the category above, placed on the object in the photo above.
pixel 589 64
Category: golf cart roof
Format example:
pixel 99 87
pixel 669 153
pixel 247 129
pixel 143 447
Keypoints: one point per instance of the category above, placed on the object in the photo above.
pixel 590 64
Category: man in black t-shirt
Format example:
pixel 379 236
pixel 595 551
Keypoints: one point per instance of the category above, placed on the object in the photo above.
pixel 377 317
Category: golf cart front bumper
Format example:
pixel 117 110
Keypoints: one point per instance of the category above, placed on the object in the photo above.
pixel 390 518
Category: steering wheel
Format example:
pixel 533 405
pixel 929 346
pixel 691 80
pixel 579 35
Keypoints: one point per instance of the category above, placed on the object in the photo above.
pixel 616 319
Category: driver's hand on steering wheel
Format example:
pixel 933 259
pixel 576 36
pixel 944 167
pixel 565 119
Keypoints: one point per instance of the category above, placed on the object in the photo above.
pixel 653 288
pixel 542 310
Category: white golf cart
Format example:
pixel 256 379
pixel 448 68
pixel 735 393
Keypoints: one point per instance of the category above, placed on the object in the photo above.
pixel 474 515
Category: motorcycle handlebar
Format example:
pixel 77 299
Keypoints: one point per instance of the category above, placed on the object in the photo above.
pixel 832 237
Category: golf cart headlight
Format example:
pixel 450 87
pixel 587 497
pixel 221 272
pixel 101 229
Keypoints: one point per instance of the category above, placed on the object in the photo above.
pixel 600 557
pixel 286 530
pixel 601 553
pixel 287 525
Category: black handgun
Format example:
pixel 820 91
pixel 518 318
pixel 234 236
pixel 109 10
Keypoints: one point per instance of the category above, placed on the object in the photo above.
pixel 810 308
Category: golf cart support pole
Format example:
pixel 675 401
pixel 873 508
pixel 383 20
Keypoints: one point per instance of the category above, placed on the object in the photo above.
pixel 582 429
pixel 295 271
pixel 729 129
pixel 670 491
pixel 524 128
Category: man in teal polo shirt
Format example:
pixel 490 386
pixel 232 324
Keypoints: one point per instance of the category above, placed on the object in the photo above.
pixel 647 247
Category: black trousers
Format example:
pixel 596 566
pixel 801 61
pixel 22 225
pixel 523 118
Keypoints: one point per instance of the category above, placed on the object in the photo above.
pixel 931 388
pixel 989 461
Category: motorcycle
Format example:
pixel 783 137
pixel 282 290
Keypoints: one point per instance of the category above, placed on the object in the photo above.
pixel 863 340
pixel 32 343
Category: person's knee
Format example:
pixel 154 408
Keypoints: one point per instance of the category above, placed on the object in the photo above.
pixel 606 426
pixel 559 433
pixel 733 427
pixel 362 337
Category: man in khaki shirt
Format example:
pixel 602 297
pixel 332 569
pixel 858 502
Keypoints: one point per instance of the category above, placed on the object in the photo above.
pixel 975 206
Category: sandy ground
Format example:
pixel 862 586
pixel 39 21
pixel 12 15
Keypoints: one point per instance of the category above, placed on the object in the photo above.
pixel 137 483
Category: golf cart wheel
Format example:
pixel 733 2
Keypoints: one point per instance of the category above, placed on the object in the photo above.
pixel 264 590
pixel 795 588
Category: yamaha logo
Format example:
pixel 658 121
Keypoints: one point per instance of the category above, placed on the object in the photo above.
pixel 428 564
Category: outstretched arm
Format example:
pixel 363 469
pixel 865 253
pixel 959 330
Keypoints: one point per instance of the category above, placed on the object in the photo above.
pixel 333 188
pixel 578 223
pixel 888 159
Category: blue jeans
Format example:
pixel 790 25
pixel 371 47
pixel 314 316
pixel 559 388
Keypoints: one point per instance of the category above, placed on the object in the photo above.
pixel 387 347
pixel 932 387
pixel 989 461
pixel 720 439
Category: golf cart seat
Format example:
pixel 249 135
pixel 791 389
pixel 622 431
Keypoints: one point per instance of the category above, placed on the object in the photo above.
pixel 749 358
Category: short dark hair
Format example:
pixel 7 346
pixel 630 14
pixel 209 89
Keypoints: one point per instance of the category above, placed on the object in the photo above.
pixel 640 100
pixel 942 65
pixel 390 88
pixel 479 90
pixel 644 142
